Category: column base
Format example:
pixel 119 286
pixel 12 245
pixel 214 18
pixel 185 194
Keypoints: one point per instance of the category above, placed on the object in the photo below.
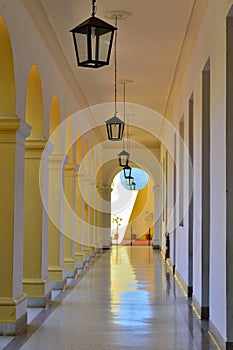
pixel 190 291
pixel 38 291
pixel 57 275
pixel 71 267
pixel 203 311
pixel 87 252
pixel 80 258
pixel 13 315
pixel 93 253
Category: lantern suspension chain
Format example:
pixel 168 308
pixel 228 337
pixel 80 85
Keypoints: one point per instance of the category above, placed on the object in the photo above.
pixel 94 8
pixel 124 116
pixel 115 70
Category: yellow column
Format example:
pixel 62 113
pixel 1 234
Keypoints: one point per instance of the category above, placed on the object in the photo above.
pixel 13 302
pixel 56 267
pixel 106 216
pixel 87 231
pixel 94 246
pixel 69 243
pixel 79 252
pixel 99 218
pixel 36 282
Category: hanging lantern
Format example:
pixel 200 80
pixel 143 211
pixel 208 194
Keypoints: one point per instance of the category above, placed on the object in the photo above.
pixel 115 128
pixel 127 172
pixel 93 41
pixel 114 125
pixel 133 186
pixel 130 181
pixel 123 157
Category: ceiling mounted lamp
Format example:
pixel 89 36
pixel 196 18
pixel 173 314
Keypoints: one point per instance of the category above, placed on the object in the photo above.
pixel 123 156
pixel 127 172
pixel 93 40
pixel 114 125
pixel 130 181
pixel 133 186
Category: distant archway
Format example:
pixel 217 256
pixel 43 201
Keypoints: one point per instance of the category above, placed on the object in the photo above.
pixel 7 81
pixel 34 104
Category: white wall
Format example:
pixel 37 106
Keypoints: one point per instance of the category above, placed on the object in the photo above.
pixel 211 42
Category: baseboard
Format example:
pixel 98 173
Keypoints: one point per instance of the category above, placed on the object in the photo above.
pixel 182 283
pixel 222 344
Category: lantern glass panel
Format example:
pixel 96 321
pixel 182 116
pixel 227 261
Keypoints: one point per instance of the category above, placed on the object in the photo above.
pixel 124 160
pixel 127 172
pixel 115 131
pixel 104 46
pixel 82 51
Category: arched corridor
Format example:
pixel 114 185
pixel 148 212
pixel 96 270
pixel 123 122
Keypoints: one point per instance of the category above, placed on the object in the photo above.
pixel 57 169
pixel 127 300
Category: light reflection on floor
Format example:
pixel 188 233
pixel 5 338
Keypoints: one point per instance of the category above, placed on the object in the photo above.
pixel 130 299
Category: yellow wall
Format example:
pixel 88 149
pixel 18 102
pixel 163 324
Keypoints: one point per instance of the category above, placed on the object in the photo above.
pixel 143 206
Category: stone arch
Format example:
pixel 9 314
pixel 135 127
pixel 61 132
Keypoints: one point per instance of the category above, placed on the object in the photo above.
pixel 34 104
pixel 7 81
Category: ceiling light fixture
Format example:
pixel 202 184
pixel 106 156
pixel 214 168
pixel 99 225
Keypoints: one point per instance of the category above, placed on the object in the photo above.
pixel 123 156
pixel 133 186
pixel 114 125
pixel 127 172
pixel 93 40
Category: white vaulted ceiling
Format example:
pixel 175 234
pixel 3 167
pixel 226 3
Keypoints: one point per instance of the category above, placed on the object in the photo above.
pixel 154 44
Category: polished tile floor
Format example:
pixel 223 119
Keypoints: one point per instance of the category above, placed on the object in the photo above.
pixel 126 300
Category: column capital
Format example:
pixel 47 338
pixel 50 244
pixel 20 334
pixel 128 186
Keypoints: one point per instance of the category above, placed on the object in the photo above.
pixel 13 129
pixel 9 123
pixel 56 158
pixel 70 166
pixel 35 147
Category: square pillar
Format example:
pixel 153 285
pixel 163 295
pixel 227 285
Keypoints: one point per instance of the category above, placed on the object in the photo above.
pixel 13 301
pixel 56 267
pixel 69 207
pixel 36 282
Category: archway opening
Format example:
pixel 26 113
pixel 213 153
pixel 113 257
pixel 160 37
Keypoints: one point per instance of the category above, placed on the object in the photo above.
pixel 132 210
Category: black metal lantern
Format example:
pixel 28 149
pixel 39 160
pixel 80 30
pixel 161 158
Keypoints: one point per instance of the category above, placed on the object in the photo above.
pixel 130 181
pixel 93 41
pixel 127 172
pixel 115 128
pixel 123 157
pixel 114 125
pixel 133 186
